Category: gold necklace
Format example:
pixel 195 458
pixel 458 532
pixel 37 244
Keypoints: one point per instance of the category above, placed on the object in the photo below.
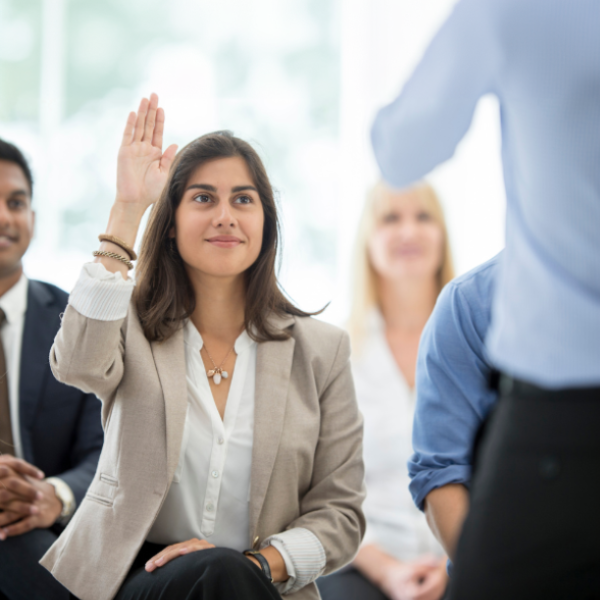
pixel 217 372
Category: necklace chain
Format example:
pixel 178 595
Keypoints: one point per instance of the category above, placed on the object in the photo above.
pixel 211 358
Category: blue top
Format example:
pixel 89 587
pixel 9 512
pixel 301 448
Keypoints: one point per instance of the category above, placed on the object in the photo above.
pixel 453 371
pixel 541 58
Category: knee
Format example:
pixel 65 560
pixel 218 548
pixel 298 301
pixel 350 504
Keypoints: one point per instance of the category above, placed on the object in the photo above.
pixel 223 563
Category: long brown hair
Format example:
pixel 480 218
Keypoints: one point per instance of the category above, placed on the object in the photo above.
pixel 164 295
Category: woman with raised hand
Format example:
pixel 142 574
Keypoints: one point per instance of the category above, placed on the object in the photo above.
pixel 232 463
pixel 402 261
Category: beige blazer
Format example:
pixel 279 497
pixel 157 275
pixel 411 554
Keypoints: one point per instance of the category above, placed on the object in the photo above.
pixel 307 468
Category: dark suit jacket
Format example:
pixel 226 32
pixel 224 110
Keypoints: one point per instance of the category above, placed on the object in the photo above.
pixel 61 431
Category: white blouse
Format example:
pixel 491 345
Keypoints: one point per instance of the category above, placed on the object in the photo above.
pixel 387 403
pixel 210 494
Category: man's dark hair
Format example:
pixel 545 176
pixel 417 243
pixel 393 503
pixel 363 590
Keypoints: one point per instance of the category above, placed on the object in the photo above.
pixel 10 153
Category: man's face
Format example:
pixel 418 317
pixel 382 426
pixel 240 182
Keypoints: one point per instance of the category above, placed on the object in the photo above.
pixel 16 217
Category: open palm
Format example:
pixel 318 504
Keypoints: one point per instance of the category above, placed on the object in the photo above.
pixel 142 167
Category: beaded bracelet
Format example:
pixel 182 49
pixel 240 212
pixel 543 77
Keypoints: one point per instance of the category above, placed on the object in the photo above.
pixel 126 262
pixel 105 237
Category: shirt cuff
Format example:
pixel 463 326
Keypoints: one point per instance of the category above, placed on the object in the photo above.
pixel 100 294
pixel 303 554
pixel 428 480
pixel 67 498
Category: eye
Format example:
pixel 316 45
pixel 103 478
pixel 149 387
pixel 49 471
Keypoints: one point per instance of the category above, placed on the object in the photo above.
pixel 390 218
pixel 243 200
pixel 202 199
pixel 16 203
pixel 424 216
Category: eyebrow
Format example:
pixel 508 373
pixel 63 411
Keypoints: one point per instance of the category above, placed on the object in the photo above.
pixel 19 193
pixel 212 188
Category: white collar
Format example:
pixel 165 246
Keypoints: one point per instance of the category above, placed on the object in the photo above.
pixel 192 337
pixel 14 301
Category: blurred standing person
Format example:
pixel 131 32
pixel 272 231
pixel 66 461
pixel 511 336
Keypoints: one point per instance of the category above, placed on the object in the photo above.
pixel 402 261
pixel 530 531
pixel 45 426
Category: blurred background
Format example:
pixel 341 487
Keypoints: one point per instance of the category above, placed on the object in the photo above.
pixel 300 79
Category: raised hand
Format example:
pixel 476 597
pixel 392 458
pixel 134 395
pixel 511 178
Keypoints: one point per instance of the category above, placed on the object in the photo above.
pixel 142 167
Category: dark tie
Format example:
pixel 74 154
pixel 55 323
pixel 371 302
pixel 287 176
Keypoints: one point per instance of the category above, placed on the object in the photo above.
pixel 6 438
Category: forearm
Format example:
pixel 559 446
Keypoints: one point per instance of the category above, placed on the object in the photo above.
pixel 373 563
pixel 123 223
pixel 446 508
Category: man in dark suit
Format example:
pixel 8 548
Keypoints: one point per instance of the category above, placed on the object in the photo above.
pixel 50 434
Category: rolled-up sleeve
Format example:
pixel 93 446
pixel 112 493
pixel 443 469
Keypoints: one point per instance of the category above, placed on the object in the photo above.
pixel 453 394
pixel 303 554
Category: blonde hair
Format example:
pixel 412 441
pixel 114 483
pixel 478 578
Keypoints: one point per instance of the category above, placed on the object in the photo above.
pixel 365 295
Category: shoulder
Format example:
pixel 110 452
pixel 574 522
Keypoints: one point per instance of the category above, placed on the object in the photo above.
pixel 474 287
pixel 47 294
pixel 320 347
pixel 318 336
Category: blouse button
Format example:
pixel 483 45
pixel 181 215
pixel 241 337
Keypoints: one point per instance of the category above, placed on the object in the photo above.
pixel 215 474
pixel 221 441
pixel 210 507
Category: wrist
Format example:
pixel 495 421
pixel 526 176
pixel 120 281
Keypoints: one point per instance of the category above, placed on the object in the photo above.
pixel 124 221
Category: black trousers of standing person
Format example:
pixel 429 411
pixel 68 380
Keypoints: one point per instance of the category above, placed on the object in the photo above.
pixel 533 527
pixel 211 574
pixel 21 577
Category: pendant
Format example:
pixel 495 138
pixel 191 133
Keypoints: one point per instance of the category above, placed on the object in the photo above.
pixel 217 374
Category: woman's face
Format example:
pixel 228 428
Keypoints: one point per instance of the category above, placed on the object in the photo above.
pixel 219 221
pixel 407 242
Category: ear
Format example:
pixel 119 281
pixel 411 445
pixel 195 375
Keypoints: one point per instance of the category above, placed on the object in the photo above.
pixel 172 232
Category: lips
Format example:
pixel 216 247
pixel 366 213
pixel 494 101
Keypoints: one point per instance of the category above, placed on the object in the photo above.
pixel 224 241
pixel 6 240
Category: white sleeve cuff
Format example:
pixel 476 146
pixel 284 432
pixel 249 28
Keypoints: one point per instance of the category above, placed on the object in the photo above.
pixel 303 554
pixel 100 294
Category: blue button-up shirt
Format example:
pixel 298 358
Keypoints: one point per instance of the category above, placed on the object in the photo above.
pixel 453 372
pixel 541 58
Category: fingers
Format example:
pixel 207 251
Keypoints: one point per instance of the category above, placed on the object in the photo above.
pixel 22 508
pixel 140 122
pixel 175 550
pixel 159 127
pixel 167 158
pixel 150 119
pixel 20 466
pixel 7 517
pixel 17 487
pixel 128 132
pixel 18 528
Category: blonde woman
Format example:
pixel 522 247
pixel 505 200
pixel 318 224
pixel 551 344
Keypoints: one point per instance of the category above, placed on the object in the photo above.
pixel 232 462
pixel 402 262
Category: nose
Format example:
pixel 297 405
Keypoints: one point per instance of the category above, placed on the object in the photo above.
pixel 224 218
pixel 5 215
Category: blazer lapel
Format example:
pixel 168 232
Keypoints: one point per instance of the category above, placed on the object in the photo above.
pixel 40 327
pixel 169 358
pixel 273 369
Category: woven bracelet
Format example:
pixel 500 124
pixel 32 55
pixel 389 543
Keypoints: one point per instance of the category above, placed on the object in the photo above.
pixel 105 237
pixel 118 257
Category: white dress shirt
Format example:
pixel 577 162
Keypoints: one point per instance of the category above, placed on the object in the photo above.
pixel 211 487
pixel 387 404
pixel 210 494
pixel 14 305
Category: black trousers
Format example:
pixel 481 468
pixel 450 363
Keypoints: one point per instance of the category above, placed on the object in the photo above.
pixel 348 584
pixel 212 574
pixel 533 528
pixel 21 577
